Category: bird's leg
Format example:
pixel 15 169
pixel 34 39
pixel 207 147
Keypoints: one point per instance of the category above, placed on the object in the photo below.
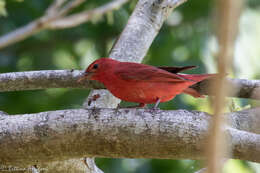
pixel 157 103
pixel 94 98
pixel 142 105
pixel 118 106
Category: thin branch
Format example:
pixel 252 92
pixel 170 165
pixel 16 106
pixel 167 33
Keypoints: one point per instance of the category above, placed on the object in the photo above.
pixel 241 88
pixel 18 81
pixel 82 17
pixel 43 80
pixel 56 12
pixel 228 12
pixel 31 28
pixel 23 32
pixel 55 7
pixel 68 7
pixel 115 133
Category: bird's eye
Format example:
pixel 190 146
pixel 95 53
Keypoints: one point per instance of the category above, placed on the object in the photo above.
pixel 95 66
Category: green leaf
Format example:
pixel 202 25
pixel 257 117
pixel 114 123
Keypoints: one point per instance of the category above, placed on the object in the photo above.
pixel 3 11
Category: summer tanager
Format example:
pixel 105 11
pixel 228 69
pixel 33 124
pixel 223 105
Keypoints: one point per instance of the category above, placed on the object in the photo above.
pixel 143 84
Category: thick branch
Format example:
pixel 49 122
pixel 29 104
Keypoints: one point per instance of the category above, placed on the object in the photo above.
pixel 32 80
pixel 246 120
pixel 142 27
pixel 131 133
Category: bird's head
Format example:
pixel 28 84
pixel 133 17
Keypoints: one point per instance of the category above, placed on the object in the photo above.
pixel 98 69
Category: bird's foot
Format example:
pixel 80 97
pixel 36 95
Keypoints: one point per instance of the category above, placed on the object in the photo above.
pixel 94 98
pixel 155 108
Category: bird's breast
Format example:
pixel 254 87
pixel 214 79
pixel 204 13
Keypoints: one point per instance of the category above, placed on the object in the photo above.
pixel 144 92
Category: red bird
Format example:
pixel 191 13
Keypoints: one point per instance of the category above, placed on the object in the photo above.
pixel 143 84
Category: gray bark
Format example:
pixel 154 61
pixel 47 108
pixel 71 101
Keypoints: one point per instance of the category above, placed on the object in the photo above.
pixel 241 88
pixel 246 120
pixel 142 27
pixel 32 80
pixel 118 133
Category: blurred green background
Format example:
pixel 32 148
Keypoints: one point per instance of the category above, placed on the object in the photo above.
pixel 186 38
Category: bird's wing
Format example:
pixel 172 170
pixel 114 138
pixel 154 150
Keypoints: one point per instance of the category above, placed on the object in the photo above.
pixel 176 69
pixel 146 73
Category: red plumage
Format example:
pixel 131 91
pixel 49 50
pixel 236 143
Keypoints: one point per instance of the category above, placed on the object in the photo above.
pixel 144 84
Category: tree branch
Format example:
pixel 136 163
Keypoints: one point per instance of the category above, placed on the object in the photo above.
pixel 246 120
pixel 81 17
pixel 57 13
pixel 241 88
pixel 115 133
pixel 44 79
pixel 142 27
pixel 17 81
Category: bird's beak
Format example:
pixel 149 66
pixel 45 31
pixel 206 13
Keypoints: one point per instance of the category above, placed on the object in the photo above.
pixel 85 76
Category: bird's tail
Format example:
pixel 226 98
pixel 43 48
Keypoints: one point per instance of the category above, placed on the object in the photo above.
pixel 196 78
